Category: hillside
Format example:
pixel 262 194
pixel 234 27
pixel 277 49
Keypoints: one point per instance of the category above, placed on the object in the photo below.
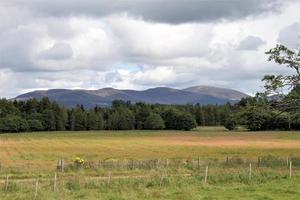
pixel 163 95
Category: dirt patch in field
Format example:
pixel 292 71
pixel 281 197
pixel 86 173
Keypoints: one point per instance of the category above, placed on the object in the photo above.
pixel 227 141
pixel 5 142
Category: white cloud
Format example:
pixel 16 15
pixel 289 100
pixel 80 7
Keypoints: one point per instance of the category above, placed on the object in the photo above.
pixel 157 76
pixel 81 49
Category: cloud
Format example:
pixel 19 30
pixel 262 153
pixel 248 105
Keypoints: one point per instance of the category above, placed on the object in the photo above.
pixel 290 35
pixel 138 44
pixel 167 11
pixel 34 45
pixel 60 28
pixel 59 51
pixel 251 43
pixel 139 39
pixel 157 76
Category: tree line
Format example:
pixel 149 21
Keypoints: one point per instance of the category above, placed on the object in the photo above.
pixel 253 113
pixel 44 115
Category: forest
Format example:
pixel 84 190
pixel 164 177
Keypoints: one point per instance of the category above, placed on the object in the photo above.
pixel 44 115
pixel 253 113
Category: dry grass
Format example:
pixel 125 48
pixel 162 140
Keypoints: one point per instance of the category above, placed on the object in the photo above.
pixel 41 150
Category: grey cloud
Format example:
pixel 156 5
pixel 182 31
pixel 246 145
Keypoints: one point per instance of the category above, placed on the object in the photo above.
pixel 167 11
pixel 251 43
pixel 205 10
pixel 59 28
pixel 59 51
pixel 290 35
pixel 17 48
pixel 197 51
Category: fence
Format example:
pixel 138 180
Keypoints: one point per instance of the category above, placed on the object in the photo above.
pixel 107 164
pixel 158 171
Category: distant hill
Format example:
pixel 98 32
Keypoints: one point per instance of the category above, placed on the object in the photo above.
pixel 163 95
pixel 217 92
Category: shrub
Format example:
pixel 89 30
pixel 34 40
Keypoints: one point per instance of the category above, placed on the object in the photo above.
pixel 154 121
pixel 257 119
pixel 185 121
pixel 178 120
pixel 230 123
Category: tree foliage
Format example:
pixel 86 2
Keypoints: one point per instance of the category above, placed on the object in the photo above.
pixel 280 84
pixel 154 122
pixel 121 119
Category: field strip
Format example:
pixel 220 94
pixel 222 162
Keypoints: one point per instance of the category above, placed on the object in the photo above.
pixel 24 180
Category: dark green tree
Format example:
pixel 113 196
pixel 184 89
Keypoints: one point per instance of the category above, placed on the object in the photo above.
pixel 35 125
pixel 230 122
pixel 141 112
pixel 170 118
pixel 185 121
pixel 13 124
pixel 94 120
pixel 121 118
pixel 79 119
pixel 154 122
pixel 48 120
pixel 8 108
pixel 179 120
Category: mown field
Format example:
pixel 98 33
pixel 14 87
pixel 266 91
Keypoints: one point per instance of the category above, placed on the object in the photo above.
pixel 27 157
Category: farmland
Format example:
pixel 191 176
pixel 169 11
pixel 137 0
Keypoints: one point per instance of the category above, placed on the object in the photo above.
pixel 28 156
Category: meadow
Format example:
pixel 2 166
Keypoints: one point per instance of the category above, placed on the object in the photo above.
pixel 180 161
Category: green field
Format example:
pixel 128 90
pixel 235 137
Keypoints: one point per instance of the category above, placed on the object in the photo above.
pixel 27 156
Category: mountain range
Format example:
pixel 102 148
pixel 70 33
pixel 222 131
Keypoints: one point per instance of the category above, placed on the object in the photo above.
pixel 162 95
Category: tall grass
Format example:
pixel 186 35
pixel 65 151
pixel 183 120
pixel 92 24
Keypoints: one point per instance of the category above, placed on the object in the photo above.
pixel 163 184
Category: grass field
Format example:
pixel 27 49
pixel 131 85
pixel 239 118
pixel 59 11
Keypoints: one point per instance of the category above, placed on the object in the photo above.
pixel 27 156
pixel 42 150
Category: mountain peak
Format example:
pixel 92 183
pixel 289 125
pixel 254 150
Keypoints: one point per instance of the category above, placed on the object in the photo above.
pixel 217 92
pixel 162 95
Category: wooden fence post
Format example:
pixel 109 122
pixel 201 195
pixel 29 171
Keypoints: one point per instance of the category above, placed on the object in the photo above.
pixel 36 188
pixel 62 165
pixel 250 171
pixel 58 165
pixel 109 178
pixel 290 169
pixel 206 174
pixel 54 184
pixel 132 164
pixel 198 163
pixel 6 183
pixel 161 180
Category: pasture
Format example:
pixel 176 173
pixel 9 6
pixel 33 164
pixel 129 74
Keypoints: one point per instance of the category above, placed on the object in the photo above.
pixel 31 157
pixel 42 150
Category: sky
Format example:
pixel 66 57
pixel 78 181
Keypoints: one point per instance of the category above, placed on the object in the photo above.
pixel 140 44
